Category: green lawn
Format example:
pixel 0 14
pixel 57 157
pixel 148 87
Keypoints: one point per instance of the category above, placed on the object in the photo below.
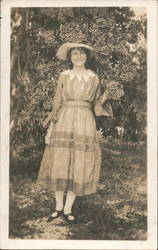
pixel 118 211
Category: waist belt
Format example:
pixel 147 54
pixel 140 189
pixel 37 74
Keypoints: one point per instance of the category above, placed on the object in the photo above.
pixel 78 104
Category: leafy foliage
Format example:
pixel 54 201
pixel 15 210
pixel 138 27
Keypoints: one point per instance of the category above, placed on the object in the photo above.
pixel 120 54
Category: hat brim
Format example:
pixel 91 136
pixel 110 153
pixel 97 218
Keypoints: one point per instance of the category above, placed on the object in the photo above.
pixel 63 49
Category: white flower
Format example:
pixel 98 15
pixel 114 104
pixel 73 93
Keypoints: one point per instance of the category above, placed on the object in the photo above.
pixel 120 130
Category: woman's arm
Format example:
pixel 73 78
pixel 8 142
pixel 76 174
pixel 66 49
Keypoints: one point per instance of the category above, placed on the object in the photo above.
pixel 102 110
pixel 56 104
pixel 101 105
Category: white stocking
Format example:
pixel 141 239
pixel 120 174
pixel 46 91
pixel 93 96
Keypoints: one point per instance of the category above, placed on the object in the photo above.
pixel 69 202
pixel 59 195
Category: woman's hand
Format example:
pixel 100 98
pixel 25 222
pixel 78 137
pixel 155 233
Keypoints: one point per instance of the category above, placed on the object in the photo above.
pixel 47 140
pixel 49 134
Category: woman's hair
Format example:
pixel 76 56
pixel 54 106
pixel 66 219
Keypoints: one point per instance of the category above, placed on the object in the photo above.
pixel 90 59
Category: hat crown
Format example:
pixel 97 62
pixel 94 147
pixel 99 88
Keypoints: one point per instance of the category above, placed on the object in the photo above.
pixel 63 49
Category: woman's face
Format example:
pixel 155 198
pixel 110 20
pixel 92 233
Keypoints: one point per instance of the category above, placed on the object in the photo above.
pixel 78 57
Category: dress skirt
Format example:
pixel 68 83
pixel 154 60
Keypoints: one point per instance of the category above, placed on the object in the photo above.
pixel 71 162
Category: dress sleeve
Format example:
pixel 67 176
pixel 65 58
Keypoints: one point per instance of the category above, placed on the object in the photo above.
pixel 56 105
pixel 57 100
pixel 102 107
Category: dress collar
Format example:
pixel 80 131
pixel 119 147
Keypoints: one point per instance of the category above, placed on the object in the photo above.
pixel 86 75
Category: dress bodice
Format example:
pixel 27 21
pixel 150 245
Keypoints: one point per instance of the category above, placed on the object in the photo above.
pixel 84 87
pixel 78 87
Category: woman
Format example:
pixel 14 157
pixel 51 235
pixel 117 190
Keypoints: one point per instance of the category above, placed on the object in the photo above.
pixel 72 158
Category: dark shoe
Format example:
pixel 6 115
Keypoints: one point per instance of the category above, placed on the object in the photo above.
pixel 69 218
pixel 54 215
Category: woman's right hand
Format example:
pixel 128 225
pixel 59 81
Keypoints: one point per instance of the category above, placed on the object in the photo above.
pixel 47 140
pixel 49 133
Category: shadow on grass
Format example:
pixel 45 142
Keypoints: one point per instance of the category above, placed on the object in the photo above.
pixel 99 221
pixel 116 212
pixel 27 204
pixel 96 220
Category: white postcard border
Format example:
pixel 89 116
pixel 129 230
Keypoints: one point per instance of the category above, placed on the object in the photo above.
pixel 7 243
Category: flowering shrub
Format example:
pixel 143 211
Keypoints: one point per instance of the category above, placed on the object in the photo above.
pixel 36 35
pixel 114 90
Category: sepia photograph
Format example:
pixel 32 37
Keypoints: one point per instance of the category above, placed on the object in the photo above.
pixel 79 123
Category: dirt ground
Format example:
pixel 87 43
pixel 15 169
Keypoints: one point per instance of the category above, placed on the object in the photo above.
pixel 118 211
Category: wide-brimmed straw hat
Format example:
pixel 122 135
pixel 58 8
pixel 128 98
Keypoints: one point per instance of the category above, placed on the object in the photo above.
pixel 63 49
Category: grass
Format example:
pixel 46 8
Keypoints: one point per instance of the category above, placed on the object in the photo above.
pixel 118 211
